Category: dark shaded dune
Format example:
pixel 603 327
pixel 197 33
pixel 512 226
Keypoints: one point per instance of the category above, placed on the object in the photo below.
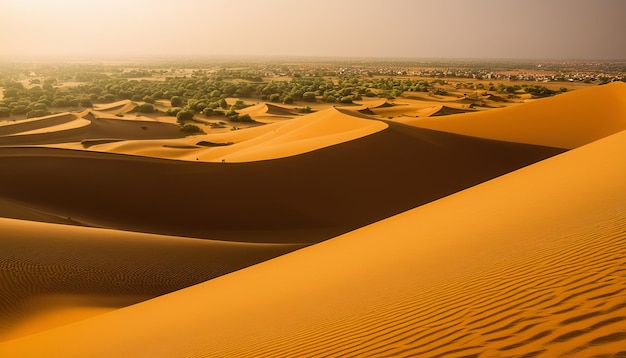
pixel 25 126
pixel 446 111
pixel 47 259
pixel 305 198
pixel 99 128
pixel 278 110
pixel 367 111
pixel 16 210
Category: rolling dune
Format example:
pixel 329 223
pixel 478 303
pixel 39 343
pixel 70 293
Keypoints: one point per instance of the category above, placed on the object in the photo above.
pixel 473 235
pixel 44 131
pixel 527 264
pixel 268 110
pixel 123 106
pixel 568 120
pixel 304 198
pixel 297 136
pixel 11 128
pixel 54 268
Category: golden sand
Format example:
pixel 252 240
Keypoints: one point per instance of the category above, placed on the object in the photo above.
pixel 565 121
pixel 529 263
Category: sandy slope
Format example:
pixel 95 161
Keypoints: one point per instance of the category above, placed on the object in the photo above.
pixel 268 112
pixel 123 106
pixel 568 120
pixel 304 198
pixel 299 135
pixel 531 263
pixel 59 129
pixel 58 273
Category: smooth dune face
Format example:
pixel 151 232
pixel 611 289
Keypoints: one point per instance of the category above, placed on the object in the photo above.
pixel 528 263
pixel 58 274
pixel 305 198
pixel 568 120
pixel 279 140
pixel 267 112
pixel 123 106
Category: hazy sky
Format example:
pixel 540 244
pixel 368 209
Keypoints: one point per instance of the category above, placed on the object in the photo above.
pixel 593 29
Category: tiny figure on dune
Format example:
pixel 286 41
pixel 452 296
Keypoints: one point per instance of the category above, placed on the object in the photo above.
pixel 223 160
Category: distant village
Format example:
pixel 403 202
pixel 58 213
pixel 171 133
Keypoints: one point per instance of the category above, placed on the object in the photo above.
pixel 594 72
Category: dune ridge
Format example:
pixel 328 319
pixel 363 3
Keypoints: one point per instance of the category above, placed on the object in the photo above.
pixel 304 198
pixel 459 276
pixel 123 106
pixel 264 111
pixel 272 141
pixel 568 120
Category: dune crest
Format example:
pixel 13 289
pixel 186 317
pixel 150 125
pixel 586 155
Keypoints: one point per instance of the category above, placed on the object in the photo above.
pixel 568 120
pixel 123 106
pixel 457 276
pixel 278 140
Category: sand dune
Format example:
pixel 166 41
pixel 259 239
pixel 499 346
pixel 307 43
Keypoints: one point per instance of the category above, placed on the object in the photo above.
pixel 11 128
pixel 59 129
pixel 55 269
pixel 123 106
pixel 269 111
pixel 297 136
pixel 77 123
pixel 528 264
pixel 469 240
pixel 304 198
pixel 568 120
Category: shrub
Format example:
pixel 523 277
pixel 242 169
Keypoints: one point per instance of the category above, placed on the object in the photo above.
pixel 37 113
pixel 330 98
pixel 19 109
pixel 309 97
pixel 183 116
pixel 345 99
pixel 242 118
pixel 176 101
pixel 173 111
pixel 191 129
pixel 239 105
pixel 274 97
pixel 146 108
pixel 4 112
pixel 85 102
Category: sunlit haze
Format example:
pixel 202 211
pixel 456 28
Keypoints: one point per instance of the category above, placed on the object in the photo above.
pixel 577 29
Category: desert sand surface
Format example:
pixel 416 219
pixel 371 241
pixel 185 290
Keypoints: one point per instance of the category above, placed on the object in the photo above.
pixel 57 269
pixel 335 233
pixel 299 135
pixel 269 113
pixel 304 198
pixel 527 264
pixel 565 121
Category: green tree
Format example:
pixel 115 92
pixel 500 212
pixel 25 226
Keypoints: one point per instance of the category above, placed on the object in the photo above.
pixel 4 112
pixel 274 97
pixel 191 129
pixel 146 108
pixel 176 101
pixel 309 96
pixel 183 116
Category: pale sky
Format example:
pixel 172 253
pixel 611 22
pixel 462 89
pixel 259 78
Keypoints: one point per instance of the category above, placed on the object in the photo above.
pixel 570 29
